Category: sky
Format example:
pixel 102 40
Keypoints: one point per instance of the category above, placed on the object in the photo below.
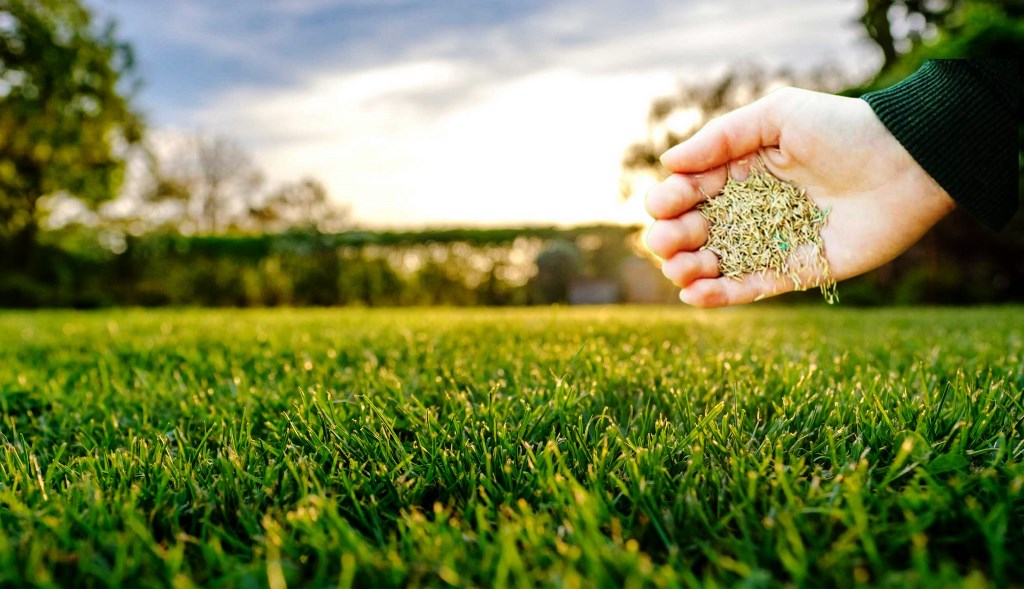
pixel 457 112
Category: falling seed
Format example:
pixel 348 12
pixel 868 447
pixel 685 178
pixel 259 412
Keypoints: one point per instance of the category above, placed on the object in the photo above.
pixel 764 224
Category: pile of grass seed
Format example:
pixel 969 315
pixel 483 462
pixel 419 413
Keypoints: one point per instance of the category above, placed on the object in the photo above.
pixel 765 224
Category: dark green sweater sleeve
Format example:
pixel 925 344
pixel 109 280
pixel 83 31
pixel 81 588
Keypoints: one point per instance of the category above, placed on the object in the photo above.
pixel 958 119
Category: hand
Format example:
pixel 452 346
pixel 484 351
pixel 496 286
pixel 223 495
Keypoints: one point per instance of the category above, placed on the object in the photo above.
pixel 881 200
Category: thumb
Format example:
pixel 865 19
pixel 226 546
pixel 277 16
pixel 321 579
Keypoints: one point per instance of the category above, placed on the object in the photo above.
pixel 731 136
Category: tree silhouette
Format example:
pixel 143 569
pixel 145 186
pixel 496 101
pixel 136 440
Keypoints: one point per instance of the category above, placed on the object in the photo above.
pixel 203 184
pixel 305 204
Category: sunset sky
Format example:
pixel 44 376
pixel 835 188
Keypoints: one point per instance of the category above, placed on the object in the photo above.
pixel 456 112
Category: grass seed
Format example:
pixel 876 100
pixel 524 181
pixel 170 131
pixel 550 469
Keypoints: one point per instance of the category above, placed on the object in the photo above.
pixel 765 224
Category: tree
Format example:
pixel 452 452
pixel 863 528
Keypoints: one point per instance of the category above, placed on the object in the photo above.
pixel 211 185
pixel 557 265
pixel 305 204
pixel 900 26
pixel 197 183
pixel 65 113
pixel 225 182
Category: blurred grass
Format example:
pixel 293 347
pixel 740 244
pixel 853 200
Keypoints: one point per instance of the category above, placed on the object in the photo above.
pixel 519 447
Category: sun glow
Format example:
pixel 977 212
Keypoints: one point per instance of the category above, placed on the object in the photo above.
pixel 542 148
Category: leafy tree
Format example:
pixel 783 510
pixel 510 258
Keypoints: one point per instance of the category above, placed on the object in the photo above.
pixel 557 265
pixel 305 204
pixel 65 114
pixel 908 30
pixel 900 26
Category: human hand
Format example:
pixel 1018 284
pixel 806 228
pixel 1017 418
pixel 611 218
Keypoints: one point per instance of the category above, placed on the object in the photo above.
pixel 881 201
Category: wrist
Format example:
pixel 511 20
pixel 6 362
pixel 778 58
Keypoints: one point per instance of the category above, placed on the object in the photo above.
pixel 955 119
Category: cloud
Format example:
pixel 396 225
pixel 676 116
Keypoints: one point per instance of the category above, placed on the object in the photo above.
pixel 190 49
pixel 473 112
pixel 333 105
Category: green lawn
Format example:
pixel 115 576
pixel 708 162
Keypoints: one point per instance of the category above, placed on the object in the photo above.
pixel 563 447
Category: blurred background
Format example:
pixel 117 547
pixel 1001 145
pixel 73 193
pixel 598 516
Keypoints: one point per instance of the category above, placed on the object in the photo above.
pixel 389 152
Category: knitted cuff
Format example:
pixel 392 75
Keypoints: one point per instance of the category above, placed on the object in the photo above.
pixel 957 118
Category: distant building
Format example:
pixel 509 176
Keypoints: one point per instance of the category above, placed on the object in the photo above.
pixel 644 283
pixel 593 291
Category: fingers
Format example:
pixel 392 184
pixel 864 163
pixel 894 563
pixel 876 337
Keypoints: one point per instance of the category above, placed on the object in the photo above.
pixel 711 291
pixel 728 137
pixel 681 192
pixel 721 292
pixel 669 236
pixel 685 267
pixel 707 289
